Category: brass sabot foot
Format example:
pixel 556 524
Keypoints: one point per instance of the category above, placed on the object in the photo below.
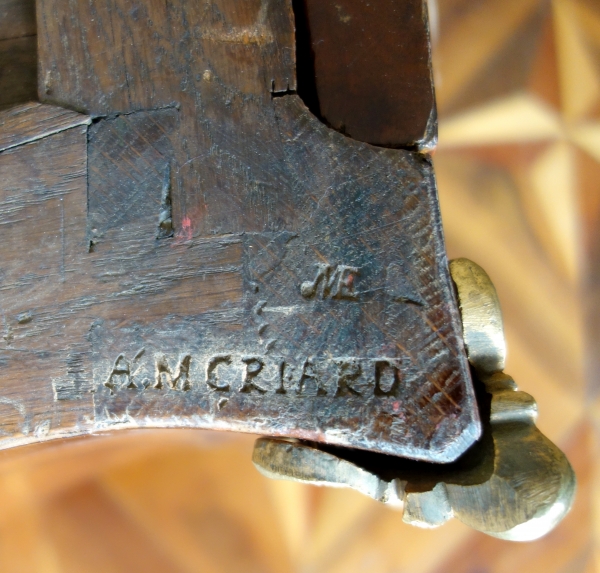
pixel 513 483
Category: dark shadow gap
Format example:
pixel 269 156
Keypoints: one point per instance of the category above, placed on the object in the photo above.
pixel 305 61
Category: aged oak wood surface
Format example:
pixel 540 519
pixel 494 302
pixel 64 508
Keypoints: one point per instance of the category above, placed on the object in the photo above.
pixel 365 69
pixel 29 122
pixel 18 65
pixel 167 501
pixel 18 52
pixel 192 247
pixel 17 19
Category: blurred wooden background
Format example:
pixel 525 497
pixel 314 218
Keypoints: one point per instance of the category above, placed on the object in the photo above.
pixel 518 167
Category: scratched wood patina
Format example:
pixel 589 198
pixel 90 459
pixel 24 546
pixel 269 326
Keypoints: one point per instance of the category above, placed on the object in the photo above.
pixel 192 247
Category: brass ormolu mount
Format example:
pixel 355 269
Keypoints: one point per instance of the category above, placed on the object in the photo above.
pixel 513 484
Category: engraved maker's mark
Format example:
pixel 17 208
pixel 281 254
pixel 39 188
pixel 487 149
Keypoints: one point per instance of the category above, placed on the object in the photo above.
pixel 226 374
pixel 254 366
pixel 336 282
pixel 123 376
pixel 177 379
pixel 212 380
pixel 348 372
pixel 309 376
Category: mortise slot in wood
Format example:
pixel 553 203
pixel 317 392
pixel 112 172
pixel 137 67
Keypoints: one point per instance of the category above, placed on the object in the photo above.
pixel 305 60
pixel 165 217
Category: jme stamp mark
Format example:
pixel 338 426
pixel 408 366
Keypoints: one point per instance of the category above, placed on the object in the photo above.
pixel 313 343
pixel 332 282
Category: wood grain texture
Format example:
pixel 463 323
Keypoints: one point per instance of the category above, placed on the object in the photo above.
pixel 18 52
pixel 85 273
pixel 17 19
pixel 18 70
pixel 218 63
pixel 227 261
pixel 365 69
pixel 154 477
pixel 32 121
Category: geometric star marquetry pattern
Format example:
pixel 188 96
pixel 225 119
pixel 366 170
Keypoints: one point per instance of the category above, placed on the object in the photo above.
pixel 518 167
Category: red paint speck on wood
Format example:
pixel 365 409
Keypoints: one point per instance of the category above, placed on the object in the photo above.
pixel 185 234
